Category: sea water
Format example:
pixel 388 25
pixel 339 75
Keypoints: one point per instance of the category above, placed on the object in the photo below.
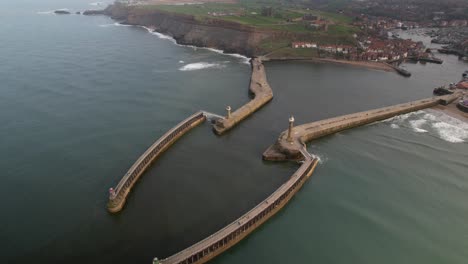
pixel 82 97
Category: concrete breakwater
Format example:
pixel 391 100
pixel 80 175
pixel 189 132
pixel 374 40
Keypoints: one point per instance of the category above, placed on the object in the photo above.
pixel 262 92
pixel 118 196
pixel 230 235
pixel 290 142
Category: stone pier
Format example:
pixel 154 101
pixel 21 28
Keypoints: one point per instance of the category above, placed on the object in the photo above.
pixel 262 92
pixel 118 195
pixel 217 243
pixel 289 147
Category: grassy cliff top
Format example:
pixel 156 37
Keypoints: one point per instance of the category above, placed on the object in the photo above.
pixel 257 14
pixel 272 15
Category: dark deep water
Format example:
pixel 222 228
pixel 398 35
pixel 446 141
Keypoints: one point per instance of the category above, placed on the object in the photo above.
pixel 81 98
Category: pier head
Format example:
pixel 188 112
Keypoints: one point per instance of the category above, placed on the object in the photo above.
pixel 291 142
pixel 262 93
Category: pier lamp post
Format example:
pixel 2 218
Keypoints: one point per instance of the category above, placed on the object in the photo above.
pixel 111 193
pixel 291 125
pixel 228 109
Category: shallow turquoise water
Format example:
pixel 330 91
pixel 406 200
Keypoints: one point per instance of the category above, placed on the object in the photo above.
pixel 82 98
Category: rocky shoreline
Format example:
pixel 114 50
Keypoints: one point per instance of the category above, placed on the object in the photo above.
pixel 222 35
pixel 228 36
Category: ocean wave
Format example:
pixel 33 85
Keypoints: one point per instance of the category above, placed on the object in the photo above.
pixel 435 123
pixel 46 12
pixel 416 125
pixel 160 35
pixel 450 132
pixel 243 59
pixel 201 65
pixel 116 24
pixel 321 159
pixel 97 3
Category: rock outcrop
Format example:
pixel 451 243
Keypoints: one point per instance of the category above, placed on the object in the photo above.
pixel 61 12
pixel 94 12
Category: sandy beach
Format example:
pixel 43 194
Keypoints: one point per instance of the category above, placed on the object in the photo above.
pixel 364 64
pixel 453 111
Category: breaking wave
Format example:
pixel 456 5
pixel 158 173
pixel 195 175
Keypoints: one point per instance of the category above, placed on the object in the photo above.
pixel 201 65
pixel 416 125
pixel 45 12
pixel 435 123
pixel 97 3
pixel 321 158
pixel 243 59
pixel 116 24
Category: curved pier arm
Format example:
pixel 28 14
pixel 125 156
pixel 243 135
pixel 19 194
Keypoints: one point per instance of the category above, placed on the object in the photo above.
pixel 118 195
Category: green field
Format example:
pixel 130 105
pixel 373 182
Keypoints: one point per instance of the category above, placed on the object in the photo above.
pixel 283 17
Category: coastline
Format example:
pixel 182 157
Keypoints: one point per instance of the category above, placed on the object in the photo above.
pixel 363 64
pixel 372 65
pixel 381 66
pixel 237 40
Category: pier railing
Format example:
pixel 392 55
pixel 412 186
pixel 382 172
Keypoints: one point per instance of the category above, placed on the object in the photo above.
pixel 118 196
pixel 225 238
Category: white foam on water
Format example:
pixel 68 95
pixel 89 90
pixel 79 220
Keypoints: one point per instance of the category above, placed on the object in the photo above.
pixel 243 59
pixel 321 158
pixel 450 133
pixel 400 118
pixel 159 35
pixel 435 123
pixel 97 3
pixel 46 12
pixel 200 65
pixel 430 117
pixel 116 24
pixel 181 61
pixel 107 25
pixel 416 125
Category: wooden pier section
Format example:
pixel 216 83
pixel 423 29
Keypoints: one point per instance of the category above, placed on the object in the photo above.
pixel 262 92
pixel 119 194
pixel 230 235
pixel 289 145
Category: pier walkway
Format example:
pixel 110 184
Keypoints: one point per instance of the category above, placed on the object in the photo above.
pixel 263 94
pixel 227 237
pixel 118 195
pixel 291 142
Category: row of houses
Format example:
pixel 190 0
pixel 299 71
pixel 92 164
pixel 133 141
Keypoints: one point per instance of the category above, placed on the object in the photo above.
pixel 390 49
pixel 373 49
pixel 344 49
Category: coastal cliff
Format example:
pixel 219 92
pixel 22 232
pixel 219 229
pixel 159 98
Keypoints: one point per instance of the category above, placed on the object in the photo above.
pixel 230 37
